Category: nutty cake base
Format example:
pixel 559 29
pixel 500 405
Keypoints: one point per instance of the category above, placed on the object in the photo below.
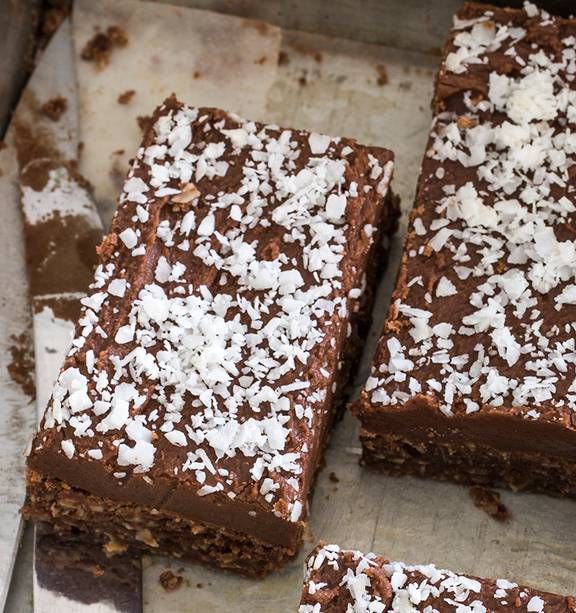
pixel 120 527
pixel 471 464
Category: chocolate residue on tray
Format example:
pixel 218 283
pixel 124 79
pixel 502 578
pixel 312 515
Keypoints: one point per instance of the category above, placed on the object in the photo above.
pixel 54 108
pixel 170 581
pixel 21 366
pixel 31 144
pixel 55 266
pixel 382 75
pixel 99 48
pixel 489 501
pixel 125 97
pixel 64 308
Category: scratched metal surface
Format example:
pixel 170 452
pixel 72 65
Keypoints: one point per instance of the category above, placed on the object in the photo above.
pixel 333 86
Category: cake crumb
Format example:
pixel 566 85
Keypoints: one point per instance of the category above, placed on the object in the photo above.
pixel 126 96
pixel 99 48
pixel 333 477
pixel 489 501
pixel 54 108
pixel 21 366
pixel 283 58
pixel 382 75
pixel 465 122
pixel 170 581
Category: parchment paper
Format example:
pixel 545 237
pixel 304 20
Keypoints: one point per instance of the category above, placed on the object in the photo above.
pixel 205 58
pixel 379 96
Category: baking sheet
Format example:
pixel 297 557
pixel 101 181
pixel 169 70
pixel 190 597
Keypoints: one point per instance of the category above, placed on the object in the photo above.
pixel 380 96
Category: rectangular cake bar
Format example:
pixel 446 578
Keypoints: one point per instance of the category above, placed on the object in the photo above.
pixel 474 379
pixel 345 581
pixel 217 338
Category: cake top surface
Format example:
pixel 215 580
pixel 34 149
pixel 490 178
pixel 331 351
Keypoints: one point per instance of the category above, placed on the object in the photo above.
pixel 348 581
pixel 209 341
pixel 483 316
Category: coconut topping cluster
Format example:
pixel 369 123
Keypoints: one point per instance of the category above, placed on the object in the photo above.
pixel 484 313
pixel 352 582
pixel 212 333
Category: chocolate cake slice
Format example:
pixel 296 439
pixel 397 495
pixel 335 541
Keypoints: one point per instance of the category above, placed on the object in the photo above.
pixel 475 376
pixel 345 581
pixel 216 340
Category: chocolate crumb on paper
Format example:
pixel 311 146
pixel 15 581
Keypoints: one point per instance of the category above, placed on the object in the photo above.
pixel 489 501
pixel 283 58
pixel 54 108
pixel 126 97
pixel 99 48
pixel 170 581
pixel 382 78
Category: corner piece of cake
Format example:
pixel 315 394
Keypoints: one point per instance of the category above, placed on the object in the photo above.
pixel 345 581
pixel 474 379
pixel 216 341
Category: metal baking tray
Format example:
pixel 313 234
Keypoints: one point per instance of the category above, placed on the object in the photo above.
pixel 363 70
